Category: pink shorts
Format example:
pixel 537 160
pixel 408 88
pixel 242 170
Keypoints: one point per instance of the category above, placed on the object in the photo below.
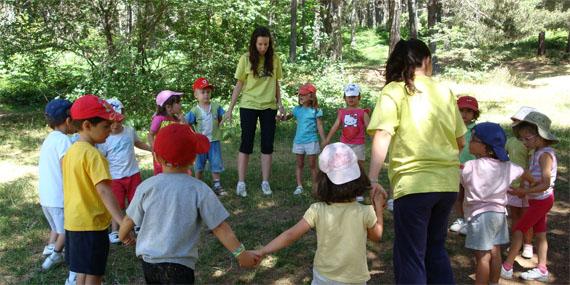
pixel 125 188
pixel 515 201
pixel 535 216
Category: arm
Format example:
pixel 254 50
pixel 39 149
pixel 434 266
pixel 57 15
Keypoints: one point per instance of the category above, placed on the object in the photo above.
pixel 332 131
pixel 125 231
pixel 460 143
pixel 226 236
pixel 380 144
pixel 366 120
pixel 321 130
pixel 235 95
pixel 278 98
pixel 375 232
pixel 108 198
pixel 150 138
pixel 286 238
pixel 142 145
pixel 545 162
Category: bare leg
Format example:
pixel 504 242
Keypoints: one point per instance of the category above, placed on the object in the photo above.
pixel 266 166
pixel 215 176
pixel 483 259
pixel 299 169
pixel 459 202
pixel 516 244
pixel 59 242
pixel 313 165
pixel 52 237
pixel 243 160
pixel 198 175
pixel 542 250
pixel 496 263
pixel 89 279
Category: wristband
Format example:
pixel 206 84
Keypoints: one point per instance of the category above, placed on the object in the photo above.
pixel 239 250
pixel 373 181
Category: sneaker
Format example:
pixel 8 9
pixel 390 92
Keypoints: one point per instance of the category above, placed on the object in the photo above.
pixel 54 259
pixel 240 189
pixel 457 225
pixel 48 249
pixel 527 251
pixel 266 188
pixel 360 199
pixel 114 238
pixel 535 274
pixel 71 279
pixel 298 190
pixel 506 274
pixel 390 205
pixel 219 190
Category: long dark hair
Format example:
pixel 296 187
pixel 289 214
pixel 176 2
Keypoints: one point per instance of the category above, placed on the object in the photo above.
pixel 328 192
pixel 161 110
pixel 254 54
pixel 403 61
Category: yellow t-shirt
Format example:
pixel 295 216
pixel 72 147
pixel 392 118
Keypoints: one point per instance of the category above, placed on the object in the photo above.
pixel 258 92
pixel 519 155
pixel 423 153
pixel 341 239
pixel 83 167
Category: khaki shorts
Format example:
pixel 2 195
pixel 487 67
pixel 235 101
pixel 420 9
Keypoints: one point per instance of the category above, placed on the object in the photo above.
pixel 311 148
pixel 359 150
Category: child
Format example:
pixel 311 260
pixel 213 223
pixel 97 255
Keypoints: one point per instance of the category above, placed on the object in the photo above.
pixel 119 149
pixel 168 110
pixel 206 116
pixel 171 208
pixel 519 155
pixel 534 132
pixel 306 141
pixel 89 203
pixel 342 225
pixel 469 108
pixel 486 181
pixel 50 184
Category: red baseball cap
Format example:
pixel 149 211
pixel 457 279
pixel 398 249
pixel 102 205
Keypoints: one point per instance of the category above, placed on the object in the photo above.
pixel 468 102
pixel 178 144
pixel 91 106
pixel 307 88
pixel 201 83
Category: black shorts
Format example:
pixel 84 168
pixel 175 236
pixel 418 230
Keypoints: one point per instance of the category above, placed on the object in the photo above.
pixel 167 273
pixel 248 122
pixel 86 252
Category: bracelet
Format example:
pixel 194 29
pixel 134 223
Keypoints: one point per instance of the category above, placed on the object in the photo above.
pixel 373 181
pixel 239 250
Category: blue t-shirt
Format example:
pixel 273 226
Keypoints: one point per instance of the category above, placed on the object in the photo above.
pixel 306 124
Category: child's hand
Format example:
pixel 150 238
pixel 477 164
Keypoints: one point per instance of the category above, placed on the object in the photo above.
pixel 249 259
pixel 378 196
pixel 130 239
pixel 227 117
pixel 519 192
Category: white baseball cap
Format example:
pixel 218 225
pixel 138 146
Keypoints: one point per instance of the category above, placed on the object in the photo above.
pixel 339 162
pixel 116 104
pixel 352 89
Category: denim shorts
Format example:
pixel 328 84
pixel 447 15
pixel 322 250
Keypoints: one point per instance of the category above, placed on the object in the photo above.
pixel 214 156
pixel 311 148
pixel 487 230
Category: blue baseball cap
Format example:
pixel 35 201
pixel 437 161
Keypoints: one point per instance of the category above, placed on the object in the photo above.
pixel 494 136
pixel 57 110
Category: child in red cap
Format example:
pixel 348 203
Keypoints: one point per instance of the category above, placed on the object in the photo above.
pixel 206 117
pixel 89 203
pixel 171 208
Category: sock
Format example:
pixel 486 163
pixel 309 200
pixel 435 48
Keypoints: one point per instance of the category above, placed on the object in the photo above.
pixel 264 181
pixel 507 266
pixel 527 245
pixel 217 183
pixel 542 268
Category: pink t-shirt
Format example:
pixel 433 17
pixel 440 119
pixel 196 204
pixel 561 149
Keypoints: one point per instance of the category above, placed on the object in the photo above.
pixel 486 181
pixel 352 122
pixel 159 121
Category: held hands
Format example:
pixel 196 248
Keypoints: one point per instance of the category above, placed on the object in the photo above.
pixel 519 192
pixel 130 239
pixel 249 259
pixel 378 195
pixel 227 117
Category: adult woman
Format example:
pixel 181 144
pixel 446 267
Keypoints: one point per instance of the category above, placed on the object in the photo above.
pixel 258 73
pixel 418 121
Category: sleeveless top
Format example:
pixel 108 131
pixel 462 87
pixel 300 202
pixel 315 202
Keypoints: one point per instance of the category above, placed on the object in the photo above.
pixel 536 171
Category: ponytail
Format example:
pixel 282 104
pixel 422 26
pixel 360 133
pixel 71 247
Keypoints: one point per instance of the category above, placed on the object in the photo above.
pixel 403 61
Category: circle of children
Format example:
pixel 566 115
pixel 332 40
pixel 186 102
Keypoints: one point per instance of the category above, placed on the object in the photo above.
pixel 83 186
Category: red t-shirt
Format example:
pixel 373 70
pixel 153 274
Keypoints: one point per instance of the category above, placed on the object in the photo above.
pixel 352 122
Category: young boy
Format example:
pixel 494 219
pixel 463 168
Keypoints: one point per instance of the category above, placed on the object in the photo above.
pixel 171 208
pixel 206 117
pixel 119 149
pixel 89 202
pixel 50 183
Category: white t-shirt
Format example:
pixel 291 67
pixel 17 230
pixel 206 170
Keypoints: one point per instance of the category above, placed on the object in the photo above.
pixel 51 180
pixel 119 149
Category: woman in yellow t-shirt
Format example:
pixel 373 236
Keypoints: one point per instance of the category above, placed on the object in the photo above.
pixel 416 120
pixel 258 73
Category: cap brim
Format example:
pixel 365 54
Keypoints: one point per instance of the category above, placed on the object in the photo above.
pixel 547 135
pixel 114 116
pixel 351 94
pixel 501 154
pixel 344 175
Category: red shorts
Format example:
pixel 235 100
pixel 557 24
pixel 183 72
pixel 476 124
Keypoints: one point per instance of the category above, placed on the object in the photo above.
pixel 535 216
pixel 125 188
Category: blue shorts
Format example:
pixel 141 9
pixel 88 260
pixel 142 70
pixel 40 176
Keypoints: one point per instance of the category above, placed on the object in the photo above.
pixel 214 155
pixel 486 230
pixel 87 252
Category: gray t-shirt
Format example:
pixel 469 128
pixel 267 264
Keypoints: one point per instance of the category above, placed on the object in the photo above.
pixel 170 209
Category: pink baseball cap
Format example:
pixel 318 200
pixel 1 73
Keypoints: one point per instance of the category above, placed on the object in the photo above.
pixel 164 95
pixel 339 162
pixel 307 88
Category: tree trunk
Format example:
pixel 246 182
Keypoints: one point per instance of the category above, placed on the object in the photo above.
pixel 541 45
pixel 303 22
pixel 373 13
pixel 293 42
pixel 271 20
pixel 336 32
pixel 413 18
pixel 380 8
pixel 317 24
pixel 568 43
pixel 395 13
pixel 353 25
pixel 432 7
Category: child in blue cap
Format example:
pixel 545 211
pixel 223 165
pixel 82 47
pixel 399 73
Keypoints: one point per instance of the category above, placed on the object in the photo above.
pixel 486 181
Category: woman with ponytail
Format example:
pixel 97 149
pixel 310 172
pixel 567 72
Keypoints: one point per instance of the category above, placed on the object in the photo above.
pixel 416 120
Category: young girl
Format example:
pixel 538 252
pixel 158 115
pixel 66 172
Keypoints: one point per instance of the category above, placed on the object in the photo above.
pixel 168 110
pixel 486 181
pixel 519 155
pixel 534 132
pixel 342 225
pixel 306 141
pixel 469 109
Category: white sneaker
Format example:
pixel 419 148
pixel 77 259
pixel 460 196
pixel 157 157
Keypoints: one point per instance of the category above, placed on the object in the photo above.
pixel 298 190
pixel 535 274
pixel 390 205
pixel 48 249
pixel 71 279
pixel 266 188
pixel 240 189
pixel 54 259
pixel 527 251
pixel 114 238
pixel 457 225
pixel 506 274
